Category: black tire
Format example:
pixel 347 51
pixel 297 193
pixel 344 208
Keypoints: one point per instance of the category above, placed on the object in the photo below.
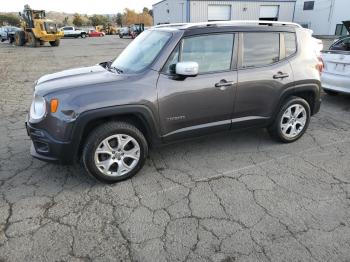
pixel 20 38
pixel 104 131
pixel 275 129
pixel 55 43
pixel 32 40
pixel 120 36
pixel 330 92
pixel 83 35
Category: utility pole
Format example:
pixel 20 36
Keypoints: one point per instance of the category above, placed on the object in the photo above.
pixel 330 16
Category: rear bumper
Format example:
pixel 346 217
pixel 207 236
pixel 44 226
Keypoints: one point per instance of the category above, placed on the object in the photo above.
pixel 47 149
pixel 337 83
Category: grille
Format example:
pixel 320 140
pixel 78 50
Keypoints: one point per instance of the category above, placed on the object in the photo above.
pixel 50 28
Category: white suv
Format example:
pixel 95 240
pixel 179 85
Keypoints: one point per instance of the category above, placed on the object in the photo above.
pixel 70 31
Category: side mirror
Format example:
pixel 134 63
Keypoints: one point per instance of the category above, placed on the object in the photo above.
pixel 187 68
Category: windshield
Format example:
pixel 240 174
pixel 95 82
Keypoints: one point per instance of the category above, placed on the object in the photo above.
pixel 141 52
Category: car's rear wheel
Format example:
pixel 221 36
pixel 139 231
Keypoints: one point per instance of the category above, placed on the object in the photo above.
pixel 114 152
pixel 292 120
pixel 330 92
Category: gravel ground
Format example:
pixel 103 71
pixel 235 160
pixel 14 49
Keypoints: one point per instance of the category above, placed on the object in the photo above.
pixel 226 197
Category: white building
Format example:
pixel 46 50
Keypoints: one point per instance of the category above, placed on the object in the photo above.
pixel 324 17
pixel 181 11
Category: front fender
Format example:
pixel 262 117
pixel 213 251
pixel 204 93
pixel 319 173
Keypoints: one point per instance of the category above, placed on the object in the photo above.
pixel 143 113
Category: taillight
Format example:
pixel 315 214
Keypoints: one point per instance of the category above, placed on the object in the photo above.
pixel 320 65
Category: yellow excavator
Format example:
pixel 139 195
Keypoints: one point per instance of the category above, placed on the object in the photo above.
pixel 108 29
pixel 36 29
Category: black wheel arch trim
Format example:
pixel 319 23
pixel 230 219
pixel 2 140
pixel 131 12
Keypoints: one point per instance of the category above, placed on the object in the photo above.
pixel 300 87
pixel 142 112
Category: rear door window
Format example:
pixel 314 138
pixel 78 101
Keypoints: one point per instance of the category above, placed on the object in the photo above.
pixel 260 49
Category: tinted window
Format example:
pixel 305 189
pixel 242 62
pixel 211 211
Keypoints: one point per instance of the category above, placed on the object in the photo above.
pixel 342 45
pixel 290 43
pixel 340 29
pixel 309 5
pixel 260 49
pixel 211 52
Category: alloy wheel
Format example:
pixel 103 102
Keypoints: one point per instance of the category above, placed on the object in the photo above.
pixel 293 121
pixel 117 155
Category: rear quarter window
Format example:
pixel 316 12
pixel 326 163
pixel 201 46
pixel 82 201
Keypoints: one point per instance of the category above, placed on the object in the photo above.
pixel 290 43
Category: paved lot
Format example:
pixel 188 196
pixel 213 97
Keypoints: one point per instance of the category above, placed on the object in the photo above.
pixel 227 197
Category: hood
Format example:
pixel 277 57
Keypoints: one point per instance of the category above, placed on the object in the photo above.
pixel 75 78
pixel 347 25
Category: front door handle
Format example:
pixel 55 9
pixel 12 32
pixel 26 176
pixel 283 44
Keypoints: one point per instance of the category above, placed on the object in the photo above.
pixel 224 84
pixel 280 75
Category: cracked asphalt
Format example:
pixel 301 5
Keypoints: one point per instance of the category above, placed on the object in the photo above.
pixel 227 197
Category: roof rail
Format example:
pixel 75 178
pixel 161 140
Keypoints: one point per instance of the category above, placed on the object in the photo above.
pixel 170 25
pixel 231 22
pixel 243 22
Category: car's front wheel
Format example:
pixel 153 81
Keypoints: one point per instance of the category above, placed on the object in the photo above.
pixel 292 120
pixel 114 152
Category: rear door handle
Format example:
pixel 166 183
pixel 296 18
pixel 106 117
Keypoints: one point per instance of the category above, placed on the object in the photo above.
pixel 223 84
pixel 280 75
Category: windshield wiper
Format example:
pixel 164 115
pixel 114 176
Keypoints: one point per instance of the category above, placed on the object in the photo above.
pixel 116 69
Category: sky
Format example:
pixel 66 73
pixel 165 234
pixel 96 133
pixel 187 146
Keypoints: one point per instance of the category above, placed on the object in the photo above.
pixel 78 6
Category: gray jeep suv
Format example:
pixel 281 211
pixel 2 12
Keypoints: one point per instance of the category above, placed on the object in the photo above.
pixel 174 82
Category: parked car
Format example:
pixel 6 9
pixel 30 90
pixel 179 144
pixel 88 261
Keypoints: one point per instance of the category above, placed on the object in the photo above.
pixel 7 33
pixel 94 33
pixel 343 31
pixel 132 31
pixel 172 83
pixel 124 31
pixel 70 31
pixel 336 76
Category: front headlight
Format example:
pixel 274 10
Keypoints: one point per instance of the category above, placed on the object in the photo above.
pixel 38 108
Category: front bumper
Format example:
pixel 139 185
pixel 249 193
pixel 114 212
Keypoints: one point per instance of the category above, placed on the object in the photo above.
pixel 47 149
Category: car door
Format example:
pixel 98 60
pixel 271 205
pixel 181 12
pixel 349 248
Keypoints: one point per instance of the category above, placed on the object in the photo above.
pixel 65 31
pixel 203 103
pixel 69 31
pixel 263 73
